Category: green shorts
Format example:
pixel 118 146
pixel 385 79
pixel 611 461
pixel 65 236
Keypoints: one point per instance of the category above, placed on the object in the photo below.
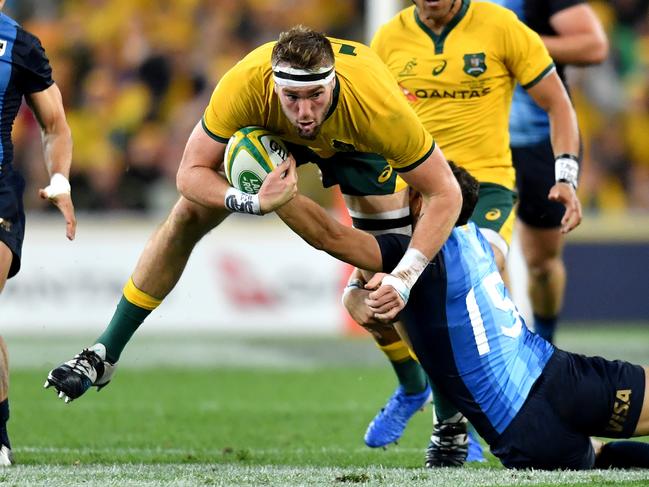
pixel 494 214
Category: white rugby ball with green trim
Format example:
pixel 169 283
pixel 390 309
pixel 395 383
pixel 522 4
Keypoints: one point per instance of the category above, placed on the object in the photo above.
pixel 251 153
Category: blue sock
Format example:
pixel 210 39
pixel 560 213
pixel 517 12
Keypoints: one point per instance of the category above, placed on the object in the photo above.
pixel 623 454
pixel 4 417
pixel 545 327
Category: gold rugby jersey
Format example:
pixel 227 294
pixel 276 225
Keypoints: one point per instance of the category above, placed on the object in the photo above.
pixel 368 115
pixel 460 82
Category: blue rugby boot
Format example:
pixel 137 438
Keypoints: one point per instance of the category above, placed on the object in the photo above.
pixel 388 425
pixel 74 377
pixel 475 453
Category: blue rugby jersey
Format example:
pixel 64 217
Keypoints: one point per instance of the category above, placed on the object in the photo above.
pixel 24 69
pixel 529 123
pixel 467 332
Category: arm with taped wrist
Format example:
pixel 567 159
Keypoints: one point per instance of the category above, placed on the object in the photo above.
pixel 406 273
pixel 566 169
pixel 240 202
pixel 59 184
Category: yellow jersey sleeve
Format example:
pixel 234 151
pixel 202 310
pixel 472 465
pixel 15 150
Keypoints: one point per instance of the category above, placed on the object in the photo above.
pixel 525 55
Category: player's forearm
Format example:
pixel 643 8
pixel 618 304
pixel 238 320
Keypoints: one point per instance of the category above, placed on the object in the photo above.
pixel 438 216
pixel 57 148
pixel 47 106
pixel 564 131
pixel 202 185
pixel 577 49
pixel 551 95
pixel 320 230
pixel 435 224
pixel 442 203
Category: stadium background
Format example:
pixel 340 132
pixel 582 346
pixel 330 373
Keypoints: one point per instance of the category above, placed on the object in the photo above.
pixel 205 392
pixel 136 75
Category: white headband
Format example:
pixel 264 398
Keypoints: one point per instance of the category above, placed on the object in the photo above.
pixel 296 77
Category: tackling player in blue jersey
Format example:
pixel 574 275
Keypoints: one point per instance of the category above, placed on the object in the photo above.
pixel 25 71
pixel 535 405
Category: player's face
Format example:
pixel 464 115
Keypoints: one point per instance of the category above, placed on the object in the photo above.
pixel 436 10
pixel 306 107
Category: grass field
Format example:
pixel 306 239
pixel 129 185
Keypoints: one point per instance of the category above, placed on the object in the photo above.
pixel 214 410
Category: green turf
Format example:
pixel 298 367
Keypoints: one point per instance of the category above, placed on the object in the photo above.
pixel 225 418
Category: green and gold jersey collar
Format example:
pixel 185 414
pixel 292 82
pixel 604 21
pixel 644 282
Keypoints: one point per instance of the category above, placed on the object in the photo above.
pixel 438 40
pixel 334 102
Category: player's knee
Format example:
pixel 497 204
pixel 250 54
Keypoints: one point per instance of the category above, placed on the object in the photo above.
pixel 499 257
pixel 188 221
pixel 383 334
pixel 544 267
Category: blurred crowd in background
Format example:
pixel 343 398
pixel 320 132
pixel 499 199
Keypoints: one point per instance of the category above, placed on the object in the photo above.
pixel 136 76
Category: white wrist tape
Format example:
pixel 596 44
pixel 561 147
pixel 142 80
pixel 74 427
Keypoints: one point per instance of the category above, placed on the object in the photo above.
pixel 406 273
pixel 353 284
pixel 410 267
pixel 240 202
pixel 59 184
pixel 566 169
pixel 398 285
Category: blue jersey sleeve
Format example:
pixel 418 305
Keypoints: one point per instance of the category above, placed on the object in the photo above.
pixel 392 246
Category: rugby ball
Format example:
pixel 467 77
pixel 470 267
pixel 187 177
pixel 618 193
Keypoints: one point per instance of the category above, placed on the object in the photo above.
pixel 251 153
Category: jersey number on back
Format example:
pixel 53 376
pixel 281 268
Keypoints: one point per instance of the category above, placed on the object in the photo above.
pixel 496 293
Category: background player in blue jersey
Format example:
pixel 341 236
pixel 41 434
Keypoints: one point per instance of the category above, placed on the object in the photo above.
pixel 573 35
pixel 25 71
pixel 535 405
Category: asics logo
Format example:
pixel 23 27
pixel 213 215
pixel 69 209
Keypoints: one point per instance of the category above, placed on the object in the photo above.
pixel 385 174
pixel 493 214
pixel 437 70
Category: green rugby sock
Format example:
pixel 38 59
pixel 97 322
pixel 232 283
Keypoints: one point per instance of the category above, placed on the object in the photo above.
pixel 409 372
pixel 411 376
pixel 444 409
pixel 127 318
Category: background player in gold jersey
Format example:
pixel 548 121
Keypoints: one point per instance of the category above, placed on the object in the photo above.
pixel 328 96
pixel 457 62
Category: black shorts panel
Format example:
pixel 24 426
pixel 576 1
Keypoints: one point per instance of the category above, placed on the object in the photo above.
pixel 575 398
pixel 534 177
pixel 538 437
pixel 610 398
pixel 12 213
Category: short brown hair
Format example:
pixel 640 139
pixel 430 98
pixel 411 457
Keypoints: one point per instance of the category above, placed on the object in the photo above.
pixel 470 188
pixel 303 48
